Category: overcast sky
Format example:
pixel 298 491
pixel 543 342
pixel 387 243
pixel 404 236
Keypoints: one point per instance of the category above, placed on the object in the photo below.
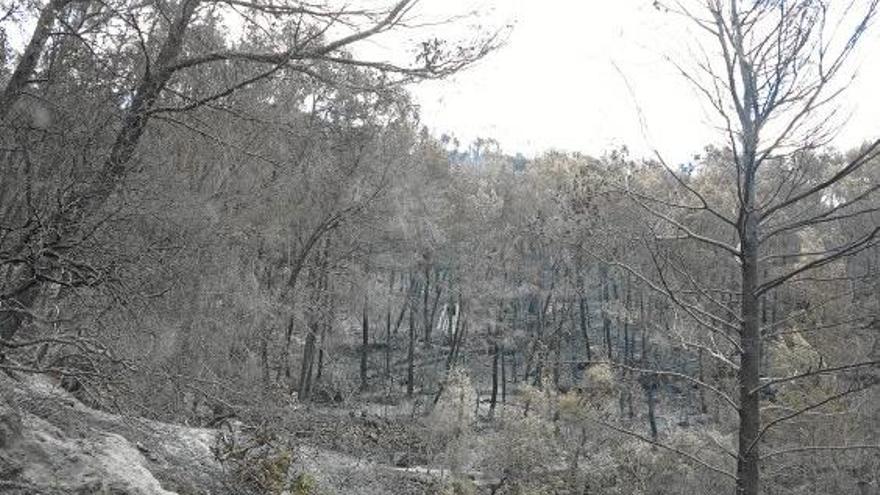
pixel 560 82
pixel 575 72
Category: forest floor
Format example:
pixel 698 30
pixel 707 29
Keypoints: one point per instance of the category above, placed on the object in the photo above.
pixel 50 443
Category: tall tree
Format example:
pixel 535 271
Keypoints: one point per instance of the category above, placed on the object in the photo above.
pixel 771 75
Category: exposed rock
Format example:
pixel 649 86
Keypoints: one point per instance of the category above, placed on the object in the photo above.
pixel 52 443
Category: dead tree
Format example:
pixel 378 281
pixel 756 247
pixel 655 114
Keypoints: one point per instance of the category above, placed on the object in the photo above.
pixel 771 72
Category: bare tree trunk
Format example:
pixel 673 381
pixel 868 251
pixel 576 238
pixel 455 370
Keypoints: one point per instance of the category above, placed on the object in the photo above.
pixel 650 394
pixel 575 457
pixel 311 366
pixel 585 328
pixel 288 340
pixel 328 307
pixel 702 377
pixel 135 120
pixel 426 312
pixel 649 384
pixel 494 397
pixel 410 356
pixel 305 374
pixel 438 291
pixel 387 371
pixel 27 64
pixel 606 320
pixel 503 376
pixel 750 361
pixel 514 366
pixel 320 371
pixel 264 361
pixel 402 313
pixel 365 343
pixel 538 355
pixel 457 337
pixel 627 351
pixel 557 349
pixel 316 285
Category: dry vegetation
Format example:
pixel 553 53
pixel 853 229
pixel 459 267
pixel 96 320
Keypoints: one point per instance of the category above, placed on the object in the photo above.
pixel 244 266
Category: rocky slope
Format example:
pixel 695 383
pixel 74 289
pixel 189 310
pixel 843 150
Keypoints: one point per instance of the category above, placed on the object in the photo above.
pixel 51 443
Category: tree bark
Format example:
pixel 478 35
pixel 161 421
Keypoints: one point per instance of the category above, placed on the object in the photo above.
pixel 410 356
pixel 320 371
pixel 650 394
pixel 288 341
pixel 426 311
pixel 747 468
pixel 585 328
pixel 457 337
pixel 27 64
pixel 557 349
pixel 606 320
pixel 438 291
pixel 305 374
pixel 750 359
pixel 702 377
pixel 365 344
pixel 494 397
pixel 387 371
pixel 503 376
pixel 264 361
pixel 135 120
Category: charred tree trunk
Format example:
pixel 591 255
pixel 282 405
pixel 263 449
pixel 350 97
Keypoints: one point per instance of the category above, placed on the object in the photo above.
pixel 557 349
pixel 494 397
pixel 606 319
pixel 426 311
pixel 650 385
pixel 457 337
pixel 403 308
pixel 387 369
pixel 327 306
pixel 410 356
pixel 320 371
pixel 438 292
pixel 651 395
pixel 288 341
pixel 702 378
pixel 627 352
pixel 305 374
pixel 503 376
pixel 584 321
pixel 264 362
pixel 365 344
pixel 750 336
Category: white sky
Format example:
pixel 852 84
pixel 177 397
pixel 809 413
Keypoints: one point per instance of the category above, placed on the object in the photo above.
pixel 561 81
pixel 557 84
